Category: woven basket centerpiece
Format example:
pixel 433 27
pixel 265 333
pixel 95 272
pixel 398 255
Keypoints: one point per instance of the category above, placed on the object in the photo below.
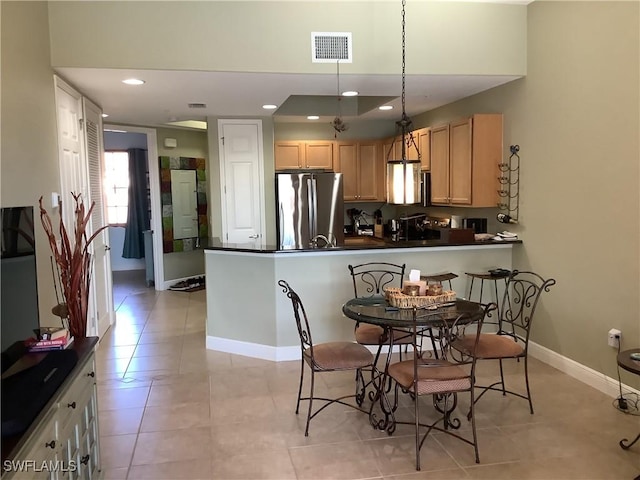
pixel 397 299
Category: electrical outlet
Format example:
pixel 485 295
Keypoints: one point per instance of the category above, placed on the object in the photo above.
pixel 614 338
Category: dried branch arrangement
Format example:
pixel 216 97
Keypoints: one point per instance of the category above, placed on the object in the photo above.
pixel 73 260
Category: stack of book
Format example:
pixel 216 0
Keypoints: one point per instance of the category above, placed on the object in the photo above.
pixel 49 338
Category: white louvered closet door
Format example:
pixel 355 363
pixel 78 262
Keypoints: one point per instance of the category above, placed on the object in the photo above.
pixel 101 313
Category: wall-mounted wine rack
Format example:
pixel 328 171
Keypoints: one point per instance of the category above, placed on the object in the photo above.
pixel 509 179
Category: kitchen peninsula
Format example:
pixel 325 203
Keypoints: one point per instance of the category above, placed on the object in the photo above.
pixel 247 313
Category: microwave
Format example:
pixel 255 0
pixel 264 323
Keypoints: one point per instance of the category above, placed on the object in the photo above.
pixel 425 188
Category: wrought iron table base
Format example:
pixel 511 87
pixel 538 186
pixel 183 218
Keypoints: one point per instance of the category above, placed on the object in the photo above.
pixel 628 363
pixel 624 443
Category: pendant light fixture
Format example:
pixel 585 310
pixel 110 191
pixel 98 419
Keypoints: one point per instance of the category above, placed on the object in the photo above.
pixel 338 124
pixel 403 175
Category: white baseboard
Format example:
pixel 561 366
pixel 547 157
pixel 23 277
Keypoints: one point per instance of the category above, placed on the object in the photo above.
pixel 578 371
pixel 587 375
pixel 255 350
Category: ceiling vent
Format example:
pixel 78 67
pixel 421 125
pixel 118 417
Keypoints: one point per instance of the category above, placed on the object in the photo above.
pixel 329 47
pixel 197 105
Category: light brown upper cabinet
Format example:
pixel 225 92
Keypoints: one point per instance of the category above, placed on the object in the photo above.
pixel 464 161
pixel 440 164
pixel 290 155
pixel 392 147
pixel 422 138
pixel 363 170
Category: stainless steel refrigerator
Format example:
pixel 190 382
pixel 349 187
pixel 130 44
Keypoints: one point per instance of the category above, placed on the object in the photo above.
pixel 309 210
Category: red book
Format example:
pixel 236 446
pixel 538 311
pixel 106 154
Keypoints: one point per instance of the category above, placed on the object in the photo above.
pixel 48 345
pixel 58 342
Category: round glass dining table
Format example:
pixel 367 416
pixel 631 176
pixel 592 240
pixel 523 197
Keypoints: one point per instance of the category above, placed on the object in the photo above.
pixel 376 310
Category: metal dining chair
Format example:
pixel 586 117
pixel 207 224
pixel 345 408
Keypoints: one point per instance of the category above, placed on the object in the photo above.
pixel 511 341
pixel 326 357
pixel 370 279
pixel 444 378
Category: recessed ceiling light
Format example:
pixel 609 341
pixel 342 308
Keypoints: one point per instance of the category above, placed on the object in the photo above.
pixel 313 117
pixel 386 107
pixel 105 115
pixel 133 81
pixel 350 93
pixel 269 107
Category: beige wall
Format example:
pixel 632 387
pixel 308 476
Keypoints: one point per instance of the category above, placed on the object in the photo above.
pixel 29 146
pixel 191 143
pixel 442 37
pixel 576 119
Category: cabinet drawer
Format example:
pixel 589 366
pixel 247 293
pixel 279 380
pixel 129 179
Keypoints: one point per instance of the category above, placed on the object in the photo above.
pixel 71 401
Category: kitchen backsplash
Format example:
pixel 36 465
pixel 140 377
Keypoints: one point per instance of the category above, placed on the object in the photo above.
pixel 390 211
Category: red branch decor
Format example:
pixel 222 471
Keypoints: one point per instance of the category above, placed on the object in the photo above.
pixel 74 263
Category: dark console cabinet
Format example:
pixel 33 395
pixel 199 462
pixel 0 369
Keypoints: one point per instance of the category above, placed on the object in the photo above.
pixel 62 442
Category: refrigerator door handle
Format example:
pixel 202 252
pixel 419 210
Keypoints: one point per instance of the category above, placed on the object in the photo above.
pixel 312 202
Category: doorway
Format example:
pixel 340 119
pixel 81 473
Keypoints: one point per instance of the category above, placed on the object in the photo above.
pixel 133 277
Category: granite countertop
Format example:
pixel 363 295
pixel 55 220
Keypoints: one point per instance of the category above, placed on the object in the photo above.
pixel 368 243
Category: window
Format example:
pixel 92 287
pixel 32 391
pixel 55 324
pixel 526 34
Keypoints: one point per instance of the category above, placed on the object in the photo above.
pixel 116 186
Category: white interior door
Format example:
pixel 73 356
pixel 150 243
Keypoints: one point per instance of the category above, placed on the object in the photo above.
pixel 80 148
pixel 73 168
pixel 242 174
pixel 184 199
pixel 101 309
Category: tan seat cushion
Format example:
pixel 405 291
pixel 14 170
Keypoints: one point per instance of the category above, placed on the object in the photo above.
pixel 340 356
pixel 367 334
pixel 434 376
pixel 490 346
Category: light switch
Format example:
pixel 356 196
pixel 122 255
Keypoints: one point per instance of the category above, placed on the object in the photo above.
pixel 55 199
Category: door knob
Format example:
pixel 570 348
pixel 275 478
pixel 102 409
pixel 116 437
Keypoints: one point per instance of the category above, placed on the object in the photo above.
pixel 107 248
pixel 254 236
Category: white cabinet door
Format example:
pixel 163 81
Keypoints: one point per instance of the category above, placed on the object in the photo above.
pixel 241 160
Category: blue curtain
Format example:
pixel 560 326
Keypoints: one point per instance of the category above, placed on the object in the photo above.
pixel 138 214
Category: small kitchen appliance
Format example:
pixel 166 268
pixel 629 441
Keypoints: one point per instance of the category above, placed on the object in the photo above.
pixel 479 225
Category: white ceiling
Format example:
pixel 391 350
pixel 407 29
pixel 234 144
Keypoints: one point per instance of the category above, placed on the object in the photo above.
pixel 166 94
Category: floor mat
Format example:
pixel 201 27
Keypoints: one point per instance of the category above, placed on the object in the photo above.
pixel 189 285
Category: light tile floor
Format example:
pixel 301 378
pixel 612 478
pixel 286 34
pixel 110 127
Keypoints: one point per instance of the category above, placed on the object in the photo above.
pixel 170 409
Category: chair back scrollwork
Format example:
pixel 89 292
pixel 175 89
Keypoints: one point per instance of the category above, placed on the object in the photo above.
pixel 369 279
pixel 302 323
pixel 519 303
